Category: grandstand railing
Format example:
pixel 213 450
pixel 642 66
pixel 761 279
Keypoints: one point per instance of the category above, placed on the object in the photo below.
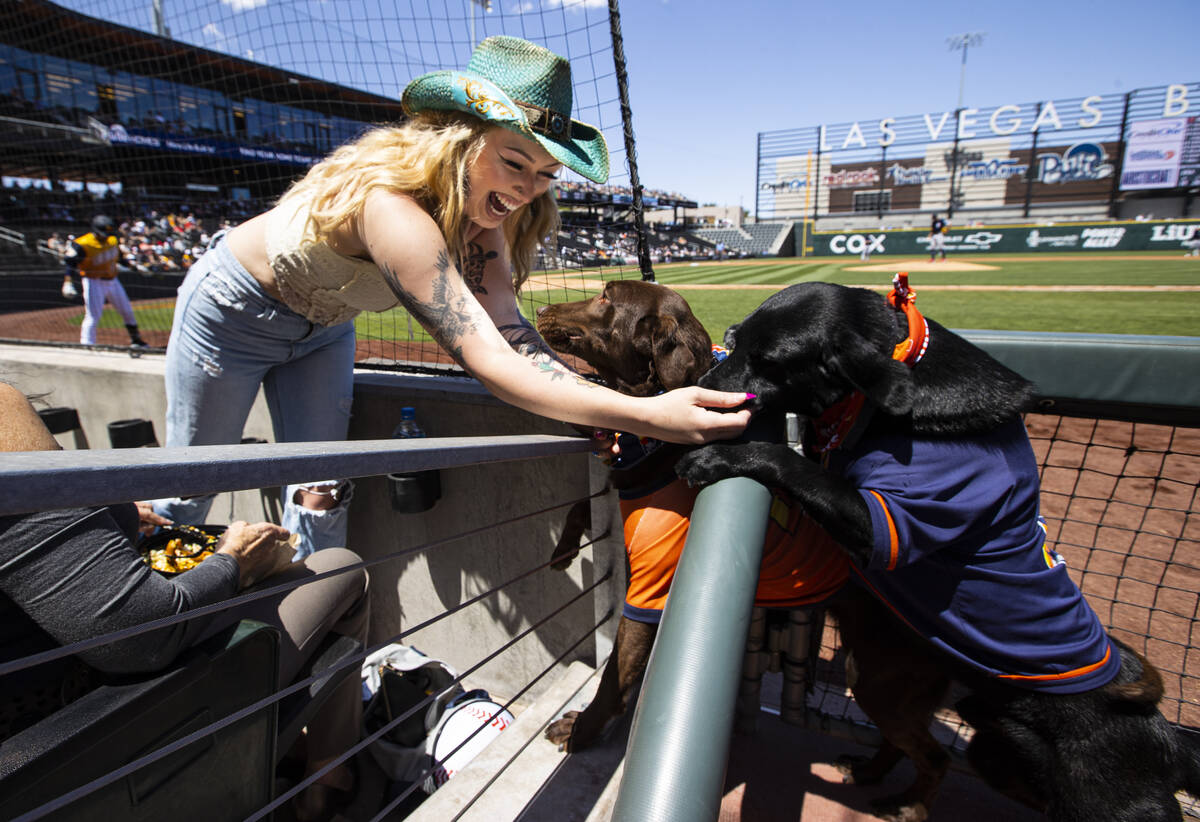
pixel 86 478
pixel 11 237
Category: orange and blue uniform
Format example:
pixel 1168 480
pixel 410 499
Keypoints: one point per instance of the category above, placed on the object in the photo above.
pixel 801 564
pixel 960 555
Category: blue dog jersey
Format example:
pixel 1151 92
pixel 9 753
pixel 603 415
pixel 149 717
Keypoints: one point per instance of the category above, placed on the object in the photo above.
pixel 960 556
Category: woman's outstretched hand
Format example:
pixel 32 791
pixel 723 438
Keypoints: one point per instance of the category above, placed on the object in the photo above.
pixel 693 416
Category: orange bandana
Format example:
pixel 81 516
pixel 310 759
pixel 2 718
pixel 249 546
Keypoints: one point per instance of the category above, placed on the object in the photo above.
pixel 833 426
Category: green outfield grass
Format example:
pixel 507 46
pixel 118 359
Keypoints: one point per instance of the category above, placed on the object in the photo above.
pixel 1143 271
pixel 149 315
pixel 1105 312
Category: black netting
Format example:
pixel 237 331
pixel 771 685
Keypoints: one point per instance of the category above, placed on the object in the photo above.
pixel 179 127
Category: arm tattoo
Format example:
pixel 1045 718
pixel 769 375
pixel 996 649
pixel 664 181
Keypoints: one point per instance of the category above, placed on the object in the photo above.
pixel 474 266
pixel 525 340
pixel 447 318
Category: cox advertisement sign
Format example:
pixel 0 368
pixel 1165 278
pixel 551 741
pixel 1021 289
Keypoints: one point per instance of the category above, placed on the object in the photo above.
pixel 1170 237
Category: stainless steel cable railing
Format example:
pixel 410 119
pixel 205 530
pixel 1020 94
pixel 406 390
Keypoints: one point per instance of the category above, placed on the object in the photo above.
pixel 84 478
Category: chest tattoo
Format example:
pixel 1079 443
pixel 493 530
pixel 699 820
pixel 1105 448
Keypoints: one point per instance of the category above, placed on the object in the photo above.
pixel 474 266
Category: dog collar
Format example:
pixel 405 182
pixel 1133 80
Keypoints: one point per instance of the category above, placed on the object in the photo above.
pixel 903 298
pixel 648 445
pixel 844 421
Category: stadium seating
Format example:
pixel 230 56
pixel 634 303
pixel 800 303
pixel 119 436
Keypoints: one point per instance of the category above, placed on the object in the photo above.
pixel 752 239
pixel 62 421
pixel 118 723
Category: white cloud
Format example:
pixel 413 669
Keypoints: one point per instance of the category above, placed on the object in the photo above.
pixel 212 30
pixel 244 5
pixel 534 5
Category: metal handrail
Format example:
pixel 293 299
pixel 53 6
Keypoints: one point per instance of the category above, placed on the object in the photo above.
pixel 679 742
pixel 12 236
pixel 36 480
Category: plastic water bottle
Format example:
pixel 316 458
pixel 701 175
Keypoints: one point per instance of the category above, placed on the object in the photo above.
pixel 408 427
pixel 416 491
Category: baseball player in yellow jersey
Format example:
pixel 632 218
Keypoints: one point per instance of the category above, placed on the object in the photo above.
pixel 95 256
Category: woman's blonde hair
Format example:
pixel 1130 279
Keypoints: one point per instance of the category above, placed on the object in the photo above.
pixel 427 158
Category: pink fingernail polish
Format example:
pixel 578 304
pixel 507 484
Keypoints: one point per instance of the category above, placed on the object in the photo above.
pixel 750 396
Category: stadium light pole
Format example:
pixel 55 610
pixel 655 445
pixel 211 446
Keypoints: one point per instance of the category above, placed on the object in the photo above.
pixel 160 27
pixel 964 42
pixel 487 8
pixel 958 42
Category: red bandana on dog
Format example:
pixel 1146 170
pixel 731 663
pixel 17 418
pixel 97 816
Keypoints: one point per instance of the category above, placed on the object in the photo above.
pixel 835 424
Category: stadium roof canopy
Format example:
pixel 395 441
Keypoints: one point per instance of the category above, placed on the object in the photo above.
pixel 46 28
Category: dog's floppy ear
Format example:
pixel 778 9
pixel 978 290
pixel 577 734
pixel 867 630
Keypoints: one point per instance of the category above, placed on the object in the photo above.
pixel 680 350
pixel 884 381
pixel 730 338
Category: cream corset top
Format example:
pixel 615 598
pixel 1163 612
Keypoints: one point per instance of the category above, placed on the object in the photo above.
pixel 317 282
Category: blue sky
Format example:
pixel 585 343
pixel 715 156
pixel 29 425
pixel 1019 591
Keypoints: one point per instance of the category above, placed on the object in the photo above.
pixel 706 77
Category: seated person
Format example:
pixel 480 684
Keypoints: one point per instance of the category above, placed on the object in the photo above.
pixel 71 574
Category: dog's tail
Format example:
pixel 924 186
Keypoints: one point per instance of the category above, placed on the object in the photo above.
pixel 1188 740
pixel 1139 686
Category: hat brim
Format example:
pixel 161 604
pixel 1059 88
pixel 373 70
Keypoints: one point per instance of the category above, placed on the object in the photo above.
pixel 584 151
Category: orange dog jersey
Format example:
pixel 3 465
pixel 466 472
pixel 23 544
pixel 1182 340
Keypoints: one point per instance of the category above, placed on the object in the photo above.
pixel 801 564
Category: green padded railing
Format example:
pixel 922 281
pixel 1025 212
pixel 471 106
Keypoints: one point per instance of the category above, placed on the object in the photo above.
pixel 1151 379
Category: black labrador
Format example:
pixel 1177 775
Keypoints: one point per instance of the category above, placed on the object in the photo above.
pixel 918 464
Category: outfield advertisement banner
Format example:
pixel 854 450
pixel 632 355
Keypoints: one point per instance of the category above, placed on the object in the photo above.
pixel 1175 236
pixel 1153 151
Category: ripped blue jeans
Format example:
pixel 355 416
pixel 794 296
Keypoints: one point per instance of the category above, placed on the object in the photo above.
pixel 229 337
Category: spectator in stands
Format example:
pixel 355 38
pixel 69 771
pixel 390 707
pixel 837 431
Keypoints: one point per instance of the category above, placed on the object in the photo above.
pixel 69 575
pixel 60 248
pixel 937 237
pixel 94 256
pixel 441 215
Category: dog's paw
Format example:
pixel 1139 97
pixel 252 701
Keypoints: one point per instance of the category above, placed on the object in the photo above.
pixel 707 465
pixel 856 770
pixel 560 730
pixel 563 554
pixel 899 809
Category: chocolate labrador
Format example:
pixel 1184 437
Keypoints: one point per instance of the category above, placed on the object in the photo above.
pixel 918 465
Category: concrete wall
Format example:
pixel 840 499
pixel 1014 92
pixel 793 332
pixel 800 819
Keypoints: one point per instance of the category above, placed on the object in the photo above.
pixel 411 590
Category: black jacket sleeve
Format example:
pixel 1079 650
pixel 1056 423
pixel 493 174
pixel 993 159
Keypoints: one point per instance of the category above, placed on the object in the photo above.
pixel 77 575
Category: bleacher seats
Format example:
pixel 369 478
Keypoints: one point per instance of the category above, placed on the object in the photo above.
pixel 116 724
pixel 752 239
pixel 62 421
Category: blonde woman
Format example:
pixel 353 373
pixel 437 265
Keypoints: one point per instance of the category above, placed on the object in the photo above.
pixel 442 216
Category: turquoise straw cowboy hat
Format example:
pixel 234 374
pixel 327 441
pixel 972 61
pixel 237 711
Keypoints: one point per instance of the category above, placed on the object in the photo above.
pixel 524 88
